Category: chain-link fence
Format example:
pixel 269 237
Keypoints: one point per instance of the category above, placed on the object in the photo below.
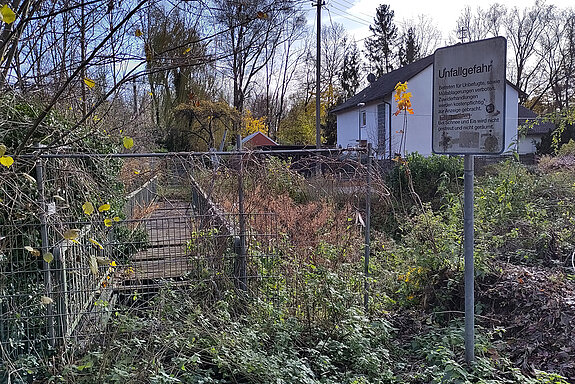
pixel 84 244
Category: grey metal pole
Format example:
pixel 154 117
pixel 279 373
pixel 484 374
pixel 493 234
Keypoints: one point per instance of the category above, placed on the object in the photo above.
pixel 359 107
pixel 241 265
pixel 44 236
pixel 468 228
pixel 317 78
pixel 367 230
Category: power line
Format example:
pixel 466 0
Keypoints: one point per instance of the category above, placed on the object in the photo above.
pixel 337 6
pixel 338 14
pixel 350 5
pixel 347 16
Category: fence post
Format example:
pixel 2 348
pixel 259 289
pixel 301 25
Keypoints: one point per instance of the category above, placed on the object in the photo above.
pixel 367 229
pixel 241 262
pixel 45 247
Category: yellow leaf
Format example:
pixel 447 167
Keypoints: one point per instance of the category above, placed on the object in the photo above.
pixel 136 172
pixel 33 251
pixel 104 207
pixel 95 243
pixel 138 32
pixel 88 208
pixel 116 218
pixel 71 234
pixel 29 178
pixel 46 300
pixel 108 222
pixel 150 93
pixel 7 15
pixel 48 257
pixel 102 260
pixel 128 142
pixel 187 50
pixel 6 161
pixel 2 149
pixel 89 82
pixel 93 264
pixel 113 264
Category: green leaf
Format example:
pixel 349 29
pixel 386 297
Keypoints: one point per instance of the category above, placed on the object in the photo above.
pixel 71 234
pixel 88 208
pixel 7 15
pixel 128 142
pixel 48 257
pixel 88 365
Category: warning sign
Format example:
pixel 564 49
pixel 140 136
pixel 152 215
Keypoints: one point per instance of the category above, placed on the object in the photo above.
pixel 469 98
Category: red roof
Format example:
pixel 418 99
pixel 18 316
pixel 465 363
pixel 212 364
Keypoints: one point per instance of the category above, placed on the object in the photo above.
pixel 257 139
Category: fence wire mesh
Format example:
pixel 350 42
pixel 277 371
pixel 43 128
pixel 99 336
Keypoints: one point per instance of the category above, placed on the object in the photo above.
pixel 94 236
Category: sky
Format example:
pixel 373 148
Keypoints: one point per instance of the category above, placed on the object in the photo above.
pixel 356 15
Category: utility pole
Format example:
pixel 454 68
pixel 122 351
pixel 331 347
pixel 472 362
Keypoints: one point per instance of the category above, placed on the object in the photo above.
pixel 462 34
pixel 317 74
pixel 83 55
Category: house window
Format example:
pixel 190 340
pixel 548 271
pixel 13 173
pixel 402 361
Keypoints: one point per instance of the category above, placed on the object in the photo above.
pixel 381 128
pixel 363 118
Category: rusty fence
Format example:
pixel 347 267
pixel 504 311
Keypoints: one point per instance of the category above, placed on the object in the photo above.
pixel 86 243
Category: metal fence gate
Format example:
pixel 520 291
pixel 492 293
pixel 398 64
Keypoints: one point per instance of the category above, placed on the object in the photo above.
pixel 83 254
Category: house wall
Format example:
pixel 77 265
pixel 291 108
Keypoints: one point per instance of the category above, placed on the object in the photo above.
pixel 257 140
pixel 348 135
pixel 417 133
pixel 416 136
pixel 527 143
pixel 511 118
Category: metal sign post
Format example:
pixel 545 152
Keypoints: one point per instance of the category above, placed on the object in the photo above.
pixel 469 119
pixel 469 268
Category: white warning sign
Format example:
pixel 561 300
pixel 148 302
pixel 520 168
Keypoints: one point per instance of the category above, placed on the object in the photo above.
pixel 469 98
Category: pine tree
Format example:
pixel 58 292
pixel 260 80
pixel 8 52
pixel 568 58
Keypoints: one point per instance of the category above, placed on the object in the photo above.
pixel 350 71
pixel 379 46
pixel 409 50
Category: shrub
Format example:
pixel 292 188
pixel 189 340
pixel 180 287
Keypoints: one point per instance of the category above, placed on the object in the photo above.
pixel 431 177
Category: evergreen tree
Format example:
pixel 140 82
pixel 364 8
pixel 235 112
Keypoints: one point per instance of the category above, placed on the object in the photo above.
pixel 409 50
pixel 350 71
pixel 379 46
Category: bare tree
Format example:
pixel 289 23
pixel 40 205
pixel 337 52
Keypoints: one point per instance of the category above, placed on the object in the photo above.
pixel 270 101
pixel 252 31
pixel 427 37
pixel 493 19
pixel 479 24
pixel 470 25
pixel 524 29
pixel 556 51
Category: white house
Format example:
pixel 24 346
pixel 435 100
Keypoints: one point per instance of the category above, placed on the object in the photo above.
pixel 368 116
pixel 537 128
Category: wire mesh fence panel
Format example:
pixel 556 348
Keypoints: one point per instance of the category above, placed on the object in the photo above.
pixel 96 244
